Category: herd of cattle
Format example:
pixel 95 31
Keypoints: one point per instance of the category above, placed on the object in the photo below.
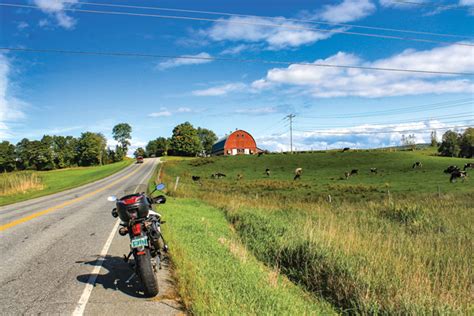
pixel 454 171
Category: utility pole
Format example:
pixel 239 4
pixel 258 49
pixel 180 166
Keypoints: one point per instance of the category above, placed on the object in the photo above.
pixel 291 117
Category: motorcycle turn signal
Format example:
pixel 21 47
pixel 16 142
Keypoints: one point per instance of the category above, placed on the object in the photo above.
pixel 123 231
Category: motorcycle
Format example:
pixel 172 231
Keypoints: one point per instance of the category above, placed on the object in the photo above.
pixel 142 225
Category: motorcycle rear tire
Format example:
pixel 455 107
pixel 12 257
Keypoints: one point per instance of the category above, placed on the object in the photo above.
pixel 147 274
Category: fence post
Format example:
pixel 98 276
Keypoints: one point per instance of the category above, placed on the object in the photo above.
pixel 389 197
pixel 439 191
pixel 329 198
pixel 176 184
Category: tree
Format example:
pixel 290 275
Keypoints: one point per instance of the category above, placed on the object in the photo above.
pixel 185 140
pixel 409 141
pixel 139 152
pixel 45 154
pixel 91 149
pixel 467 143
pixel 450 144
pixel 123 133
pixel 23 154
pixel 64 151
pixel 157 147
pixel 119 153
pixel 434 139
pixel 7 157
pixel 208 138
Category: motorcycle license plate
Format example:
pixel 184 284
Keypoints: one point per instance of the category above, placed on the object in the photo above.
pixel 140 242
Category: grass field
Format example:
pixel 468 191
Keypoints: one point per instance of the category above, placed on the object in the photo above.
pixel 26 185
pixel 218 276
pixel 399 241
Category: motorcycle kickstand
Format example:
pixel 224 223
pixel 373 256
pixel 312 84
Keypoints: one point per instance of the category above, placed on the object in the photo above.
pixel 126 258
pixel 131 277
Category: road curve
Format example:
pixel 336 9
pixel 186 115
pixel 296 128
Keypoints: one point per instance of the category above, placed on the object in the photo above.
pixel 61 254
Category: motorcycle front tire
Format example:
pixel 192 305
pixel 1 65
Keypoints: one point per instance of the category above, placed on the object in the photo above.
pixel 147 274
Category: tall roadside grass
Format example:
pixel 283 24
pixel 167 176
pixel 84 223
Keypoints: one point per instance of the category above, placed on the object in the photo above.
pixel 409 252
pixel 19 182
pixel 52 181
pixel 216 274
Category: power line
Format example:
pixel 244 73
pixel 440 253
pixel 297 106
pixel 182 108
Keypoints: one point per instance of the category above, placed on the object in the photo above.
pixel 424 4
pixel 263 61
pixel 411 109
pixel 247 23
pixel 388 124
pixel 468 116
pixel 267 17
pixel 381 132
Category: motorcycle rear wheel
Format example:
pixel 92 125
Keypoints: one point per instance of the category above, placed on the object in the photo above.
pixel 147 274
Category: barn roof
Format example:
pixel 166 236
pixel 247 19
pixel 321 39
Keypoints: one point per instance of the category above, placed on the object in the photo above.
pixel 219 145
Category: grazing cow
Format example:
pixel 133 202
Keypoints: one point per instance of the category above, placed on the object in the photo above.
pixel 217 175
pixel 345 149
pixel 196 178
pixel 260 154
pixel 451 169
pixel 298 172
pixel 417 164
pixel 373 170
pixel 458 174
pixel 239 177
pixel 468 165
pixel 267 172
pixel 354 172
pixel 347 175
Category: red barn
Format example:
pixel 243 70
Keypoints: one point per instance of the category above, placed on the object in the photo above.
pixel 238 143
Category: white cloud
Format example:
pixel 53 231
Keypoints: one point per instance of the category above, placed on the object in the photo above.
pixel 160 114
pixel 258 111
pixel 347 11
pixel 339 82
pixel 362 136
pixel 469 4
pixel 10 106
pixel 257 29
pixel 176 62
pixel 238 49
pixel 56 9
pixel 184 110
pixel 165 112
pixel 22 25
pixel 220 90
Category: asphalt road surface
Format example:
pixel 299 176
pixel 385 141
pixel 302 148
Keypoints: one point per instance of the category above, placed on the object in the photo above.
pixel 62 254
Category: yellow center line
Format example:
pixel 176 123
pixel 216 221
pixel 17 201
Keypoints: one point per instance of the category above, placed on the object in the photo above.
pixel 57 207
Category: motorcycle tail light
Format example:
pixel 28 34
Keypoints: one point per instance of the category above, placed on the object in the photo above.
pixel 136 229
pixel 131 200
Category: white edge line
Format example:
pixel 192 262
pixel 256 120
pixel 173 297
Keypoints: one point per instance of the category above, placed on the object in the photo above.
pixel 81 305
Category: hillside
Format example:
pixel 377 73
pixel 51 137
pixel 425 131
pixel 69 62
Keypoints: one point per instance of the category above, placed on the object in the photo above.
pixel 399 241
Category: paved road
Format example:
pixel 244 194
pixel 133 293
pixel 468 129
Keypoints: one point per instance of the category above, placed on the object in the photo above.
pixel 62 254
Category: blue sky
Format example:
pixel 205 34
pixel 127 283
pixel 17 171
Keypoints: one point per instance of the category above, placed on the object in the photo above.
pixel 68 94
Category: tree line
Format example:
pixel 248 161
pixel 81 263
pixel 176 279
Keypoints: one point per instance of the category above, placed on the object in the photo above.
pixel 57 152
pixel 185 141
pixel 455 144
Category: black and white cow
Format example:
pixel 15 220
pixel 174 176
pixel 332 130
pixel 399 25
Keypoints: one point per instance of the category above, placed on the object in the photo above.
pixel 458 174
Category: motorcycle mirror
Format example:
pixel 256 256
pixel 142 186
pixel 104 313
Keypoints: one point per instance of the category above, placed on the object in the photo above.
pixel 160 199
pixel 112 198
pixel 115 213
pixel 160 186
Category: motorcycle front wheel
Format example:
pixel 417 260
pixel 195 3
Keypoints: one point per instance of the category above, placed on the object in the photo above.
pixel 146 272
